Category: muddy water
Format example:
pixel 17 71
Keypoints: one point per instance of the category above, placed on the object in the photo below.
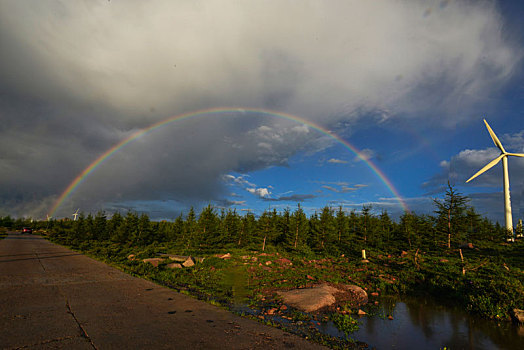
pixel 423 324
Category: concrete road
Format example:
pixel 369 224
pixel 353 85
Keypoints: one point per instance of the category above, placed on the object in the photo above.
pixel 54 298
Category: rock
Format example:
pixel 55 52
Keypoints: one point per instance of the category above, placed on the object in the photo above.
pixel 309 277
pixel 444 260
pixel 374 294
pixel 283 261
pixel 131 257
pixel 361 312
pixel 174 265
pixel 358 294
pixel 225 256
pixel 467 246
pixel 404 253
pixel 153 261
pixel 271 311
pixel 310 299
pixel 189 262
pixel 365 260
pixel 518 315
pixel 283 308
pixel 390 317
pixel 268 262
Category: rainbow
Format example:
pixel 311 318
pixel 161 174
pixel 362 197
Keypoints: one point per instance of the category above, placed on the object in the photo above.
pixel 216 111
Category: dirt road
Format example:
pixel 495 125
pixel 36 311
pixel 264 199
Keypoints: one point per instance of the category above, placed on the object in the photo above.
pixel 54 298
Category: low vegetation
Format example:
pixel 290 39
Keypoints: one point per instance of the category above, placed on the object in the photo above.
pixel 456 256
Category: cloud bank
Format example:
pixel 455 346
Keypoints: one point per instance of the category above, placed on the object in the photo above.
pixel 78 77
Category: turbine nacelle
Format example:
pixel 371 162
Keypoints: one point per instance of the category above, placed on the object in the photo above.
pixel 495 161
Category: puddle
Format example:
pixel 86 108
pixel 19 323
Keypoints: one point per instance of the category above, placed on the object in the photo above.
pixel 420 323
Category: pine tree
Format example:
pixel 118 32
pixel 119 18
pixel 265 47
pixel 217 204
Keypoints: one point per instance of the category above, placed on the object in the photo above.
pixel 299 224
pixel 113 228
pixel 327 227
pixel 450 214
pixel 99 226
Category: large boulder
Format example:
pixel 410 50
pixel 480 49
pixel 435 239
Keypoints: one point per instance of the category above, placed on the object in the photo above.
pixel 315 298
pixel 310 299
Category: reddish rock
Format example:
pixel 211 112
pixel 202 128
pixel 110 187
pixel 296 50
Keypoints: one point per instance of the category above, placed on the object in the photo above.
pixel 283 261
pixel 390 317
pixel 310 299
pixel 518 315
pixel 189 262
pixel 174 265
pixel 225 256
pixel 309 277
pixel 153 261
pixel 374 294
pixel 444 260
pixel 359 295
pixel 404 253
pixel 268 262
pixel 361 312
pixel 283 308
pixel 131 257
pixel 271 311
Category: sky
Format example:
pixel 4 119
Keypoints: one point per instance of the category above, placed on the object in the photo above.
pixel 159 106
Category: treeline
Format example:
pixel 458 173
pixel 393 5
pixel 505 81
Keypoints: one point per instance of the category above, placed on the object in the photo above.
pixel 330 231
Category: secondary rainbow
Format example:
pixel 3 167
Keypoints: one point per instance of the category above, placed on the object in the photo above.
pixel 220 111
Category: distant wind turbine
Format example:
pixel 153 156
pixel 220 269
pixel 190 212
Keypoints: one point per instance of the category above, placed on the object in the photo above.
pixel 75 214
pixel 504 156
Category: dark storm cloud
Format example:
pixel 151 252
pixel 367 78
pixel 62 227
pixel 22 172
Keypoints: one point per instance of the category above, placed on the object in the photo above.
pixel 78 77
pixel 292 198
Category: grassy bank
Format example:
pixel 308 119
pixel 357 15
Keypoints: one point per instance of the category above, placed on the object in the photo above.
pixel 486 281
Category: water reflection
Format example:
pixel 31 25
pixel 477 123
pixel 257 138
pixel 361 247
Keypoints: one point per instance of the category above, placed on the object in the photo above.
pixel 422 324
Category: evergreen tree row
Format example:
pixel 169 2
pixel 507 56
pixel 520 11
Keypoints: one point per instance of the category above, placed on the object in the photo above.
pixel 329 231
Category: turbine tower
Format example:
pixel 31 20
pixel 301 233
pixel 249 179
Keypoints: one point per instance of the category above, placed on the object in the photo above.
pixel 504 156
pixel 75 214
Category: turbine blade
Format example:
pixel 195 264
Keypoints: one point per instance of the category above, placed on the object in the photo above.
pixel 494 137
pixel 487 167
pixel 516 154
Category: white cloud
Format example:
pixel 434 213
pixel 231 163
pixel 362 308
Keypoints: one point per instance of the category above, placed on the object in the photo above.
pixel 337 161
pixel 260 192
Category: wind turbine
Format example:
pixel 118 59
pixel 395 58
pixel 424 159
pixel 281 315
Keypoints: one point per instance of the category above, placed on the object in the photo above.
pixel 75 214
pixel 504 156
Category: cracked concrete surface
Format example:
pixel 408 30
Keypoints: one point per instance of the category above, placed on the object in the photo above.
pixel 54 298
